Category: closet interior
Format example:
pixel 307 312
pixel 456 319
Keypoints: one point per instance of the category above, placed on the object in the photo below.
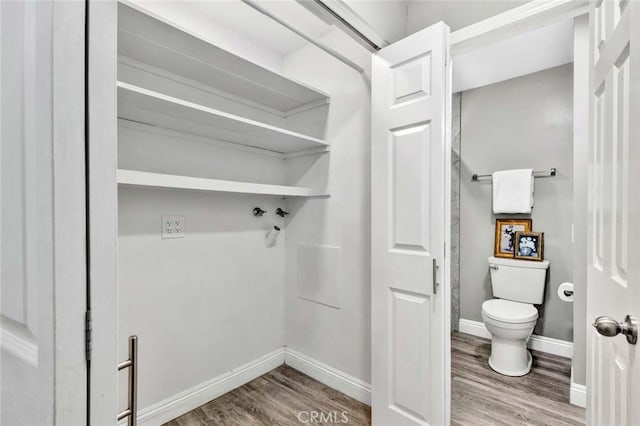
pixel 229 239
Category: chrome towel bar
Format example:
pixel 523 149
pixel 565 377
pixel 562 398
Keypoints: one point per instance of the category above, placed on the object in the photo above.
pixel 536 173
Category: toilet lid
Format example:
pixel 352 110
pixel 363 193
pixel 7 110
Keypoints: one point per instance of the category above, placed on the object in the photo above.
pixel 509 311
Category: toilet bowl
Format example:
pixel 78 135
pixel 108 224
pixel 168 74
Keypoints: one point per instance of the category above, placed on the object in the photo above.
pixel 510 324
pixel 511 316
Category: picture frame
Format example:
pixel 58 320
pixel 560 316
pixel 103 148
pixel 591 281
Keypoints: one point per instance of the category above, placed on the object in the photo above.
pixel 529 246
pixel 504 245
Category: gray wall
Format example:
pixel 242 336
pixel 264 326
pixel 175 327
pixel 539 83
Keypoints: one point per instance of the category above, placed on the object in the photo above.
pixel 580 176
pixel 520 123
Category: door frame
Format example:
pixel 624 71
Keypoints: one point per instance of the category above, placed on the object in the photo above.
pixel 528 17
pixel 519 20
pixel 102 146
pixel 102 215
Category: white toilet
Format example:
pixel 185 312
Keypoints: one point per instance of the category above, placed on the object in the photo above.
pixel 511 316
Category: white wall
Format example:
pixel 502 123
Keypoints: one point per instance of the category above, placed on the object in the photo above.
pixel 455 13
pixel 526 122
pixel 215 300
pixel 337 337
pixel 191 17
pixel 533 51
pixel 210 302
pixel 387 17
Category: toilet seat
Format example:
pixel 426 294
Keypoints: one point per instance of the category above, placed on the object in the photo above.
pixel 508 311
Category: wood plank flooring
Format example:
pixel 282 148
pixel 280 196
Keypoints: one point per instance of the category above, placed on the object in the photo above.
pixel 277 398
pixel 479 396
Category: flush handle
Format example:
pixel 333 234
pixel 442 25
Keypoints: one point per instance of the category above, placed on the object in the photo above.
pixel 609 327
pixel 494 267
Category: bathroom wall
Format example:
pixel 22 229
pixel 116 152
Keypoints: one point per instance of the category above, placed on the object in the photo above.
pixel 337 334
pixel 520 123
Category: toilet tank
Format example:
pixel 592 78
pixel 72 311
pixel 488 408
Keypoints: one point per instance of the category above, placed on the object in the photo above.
pixel 518 280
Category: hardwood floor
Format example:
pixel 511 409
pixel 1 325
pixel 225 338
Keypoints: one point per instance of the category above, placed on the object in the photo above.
pixel 479 396
pixel 277 398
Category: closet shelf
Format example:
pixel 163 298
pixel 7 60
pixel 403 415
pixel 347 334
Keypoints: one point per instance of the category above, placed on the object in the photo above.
pixel 155 41
pixel 147 106
pixel 164 181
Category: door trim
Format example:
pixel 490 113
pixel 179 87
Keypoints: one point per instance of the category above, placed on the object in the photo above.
pixel 102 209
pixel 519 20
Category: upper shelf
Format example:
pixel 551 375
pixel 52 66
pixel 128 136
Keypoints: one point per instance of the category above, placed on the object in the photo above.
pixel 147 106
pixel 164 181
pixel 164 45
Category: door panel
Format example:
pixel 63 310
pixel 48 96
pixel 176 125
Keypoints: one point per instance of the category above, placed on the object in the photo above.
pixel 410 348
pixel 42 256
pixel 409 193
pixel 410 208
pixel 613 282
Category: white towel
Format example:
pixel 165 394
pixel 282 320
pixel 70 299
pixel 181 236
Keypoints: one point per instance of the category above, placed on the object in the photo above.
pixel 513 191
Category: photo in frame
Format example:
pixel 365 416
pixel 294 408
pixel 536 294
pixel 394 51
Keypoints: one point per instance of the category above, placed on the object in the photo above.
pixel 505 235
pixel 529 245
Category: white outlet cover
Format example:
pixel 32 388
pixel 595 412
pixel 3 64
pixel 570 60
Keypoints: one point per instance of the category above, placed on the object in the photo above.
pixel 172 227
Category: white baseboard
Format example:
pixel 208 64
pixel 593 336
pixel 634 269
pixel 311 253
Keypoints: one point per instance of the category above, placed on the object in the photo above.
pixel 170 408
pixel 537 343
pixel 183 402
pixel 336 379
pixel 577 393
pixel 474 328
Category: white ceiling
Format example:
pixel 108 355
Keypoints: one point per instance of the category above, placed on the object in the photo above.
pixel 527 53
pixel 239 17
pixel 235 26
pixel 455 13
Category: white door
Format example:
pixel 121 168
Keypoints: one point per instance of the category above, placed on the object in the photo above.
pixel 613 372
pixel 42 256
pixel 410 151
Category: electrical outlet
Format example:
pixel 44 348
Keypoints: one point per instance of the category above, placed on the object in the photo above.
pixel 178 226
pixel 172 226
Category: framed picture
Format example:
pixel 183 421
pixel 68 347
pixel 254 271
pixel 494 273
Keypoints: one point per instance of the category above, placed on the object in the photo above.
pixel 505 235
pixel 529 245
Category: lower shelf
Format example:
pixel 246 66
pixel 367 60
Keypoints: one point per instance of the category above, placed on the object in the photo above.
pixel 160 180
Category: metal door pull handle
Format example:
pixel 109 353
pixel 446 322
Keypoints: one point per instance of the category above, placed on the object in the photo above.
pixel 609 327
pixel 131 412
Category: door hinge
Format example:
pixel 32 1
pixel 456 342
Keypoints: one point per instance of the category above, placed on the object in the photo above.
pixel 88 328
